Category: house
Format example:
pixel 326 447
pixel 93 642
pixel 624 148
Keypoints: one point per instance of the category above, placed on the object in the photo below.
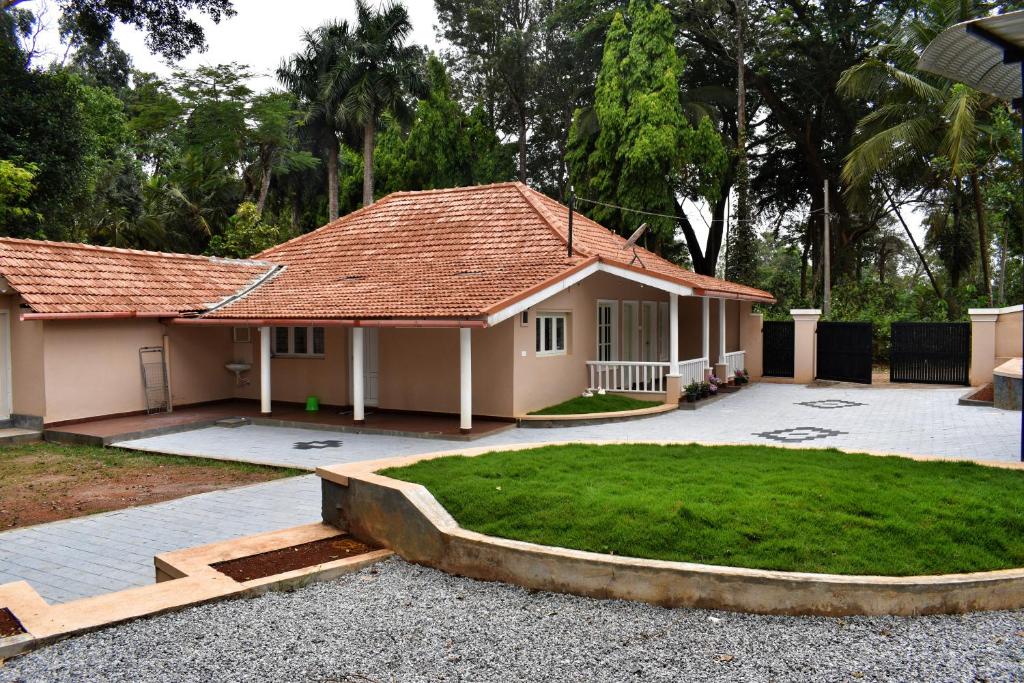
pixel 467 301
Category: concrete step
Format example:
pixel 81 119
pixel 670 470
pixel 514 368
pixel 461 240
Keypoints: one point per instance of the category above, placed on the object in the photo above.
pixel 10 436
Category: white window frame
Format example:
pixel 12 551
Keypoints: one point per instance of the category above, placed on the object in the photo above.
pixel 291 353
pixel 241 335
pixel 539 319
pixel 613 337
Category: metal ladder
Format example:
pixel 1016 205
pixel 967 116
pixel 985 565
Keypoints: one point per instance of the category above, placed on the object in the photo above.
pixel 154 379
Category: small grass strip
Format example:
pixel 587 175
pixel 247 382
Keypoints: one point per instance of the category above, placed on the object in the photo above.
pixel 748 506
pixel 598 403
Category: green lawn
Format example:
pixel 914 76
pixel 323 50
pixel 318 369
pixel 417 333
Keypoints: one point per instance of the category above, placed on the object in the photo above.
pixel 748 506
pixel 608 403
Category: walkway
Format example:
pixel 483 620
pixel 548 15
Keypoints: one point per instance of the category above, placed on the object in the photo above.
pixel 86 556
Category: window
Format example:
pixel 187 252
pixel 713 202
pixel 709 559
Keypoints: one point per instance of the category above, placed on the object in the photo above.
pixel 606 319
pixel 550 334
pixel 299 341
pixel 241 335
pixel 524 318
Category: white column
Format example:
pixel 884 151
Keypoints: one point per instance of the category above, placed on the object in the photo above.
pixel 358 386
pixel 721 330
pixel 673 334
pixel 265 370
pixel 465 380
pixel 705 328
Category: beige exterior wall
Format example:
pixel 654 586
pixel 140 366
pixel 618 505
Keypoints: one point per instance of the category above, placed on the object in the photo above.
pixel 293 379
pixel 197 358
pixel 995 338
pixel 1009 335
pixel 27 386
pixel 419 369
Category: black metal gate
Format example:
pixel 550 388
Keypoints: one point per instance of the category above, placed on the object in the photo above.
pixel 930 353
pixel 844 351
pixel 777 348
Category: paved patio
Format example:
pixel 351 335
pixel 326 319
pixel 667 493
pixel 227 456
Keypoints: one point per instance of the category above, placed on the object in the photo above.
pixel 86 556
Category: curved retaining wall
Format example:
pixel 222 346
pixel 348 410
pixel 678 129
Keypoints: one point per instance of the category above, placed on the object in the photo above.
pixel 406 518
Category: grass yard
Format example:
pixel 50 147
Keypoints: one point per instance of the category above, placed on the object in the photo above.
pixel 43 482
pixel 749 506
pixel 608 403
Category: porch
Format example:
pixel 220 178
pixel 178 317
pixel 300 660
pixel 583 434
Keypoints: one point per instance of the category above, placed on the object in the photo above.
pixel 652 333
pixel 107 430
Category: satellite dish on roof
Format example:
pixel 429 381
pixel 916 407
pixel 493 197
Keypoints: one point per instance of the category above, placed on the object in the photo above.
pixel 631 244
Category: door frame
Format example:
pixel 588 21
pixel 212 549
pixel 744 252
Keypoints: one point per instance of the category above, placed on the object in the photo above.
pixel 613 321
pixel 6 387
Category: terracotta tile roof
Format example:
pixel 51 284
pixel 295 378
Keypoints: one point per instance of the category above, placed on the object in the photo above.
pixel 441 254
pixel 67 278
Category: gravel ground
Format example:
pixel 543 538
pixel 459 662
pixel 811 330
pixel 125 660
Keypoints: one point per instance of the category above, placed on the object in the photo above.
pixel 400 622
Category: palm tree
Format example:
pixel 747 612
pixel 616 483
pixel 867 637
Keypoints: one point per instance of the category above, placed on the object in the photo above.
pixel 919 119
pixel 376 77
pixel 307 74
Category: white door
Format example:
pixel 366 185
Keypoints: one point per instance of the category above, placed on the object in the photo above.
pixel 371 365
pixel 648 331
pixel 606 324
pixel 5 365
pixel 630 329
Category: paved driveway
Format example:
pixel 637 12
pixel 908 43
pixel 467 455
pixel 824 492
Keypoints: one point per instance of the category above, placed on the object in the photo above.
pixel 107 552
pixel 916 421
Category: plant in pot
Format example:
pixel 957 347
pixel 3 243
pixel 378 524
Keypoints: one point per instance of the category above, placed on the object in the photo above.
pixel 692 392
pixel 705 389
pixel 713 383
pixel 740 378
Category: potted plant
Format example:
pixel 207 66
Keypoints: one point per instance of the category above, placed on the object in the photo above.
pixel 692 392
pixel 740 378
pixel 705 389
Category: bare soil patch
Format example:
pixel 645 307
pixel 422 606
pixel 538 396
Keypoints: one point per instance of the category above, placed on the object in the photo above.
pixel 9 624
pixel 44 482
pixel 292 558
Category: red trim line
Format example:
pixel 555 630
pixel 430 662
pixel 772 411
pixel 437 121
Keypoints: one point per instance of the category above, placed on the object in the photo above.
pixel 328 322
pixel 99 315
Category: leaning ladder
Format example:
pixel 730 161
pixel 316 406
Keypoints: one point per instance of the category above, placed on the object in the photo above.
pixel 154 379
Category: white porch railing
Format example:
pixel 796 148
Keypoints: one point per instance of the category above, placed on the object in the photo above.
pixel 736 360
pixel 692 371
pixel 632 376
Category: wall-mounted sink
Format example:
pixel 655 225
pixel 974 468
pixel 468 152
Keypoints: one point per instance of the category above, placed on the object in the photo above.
pixel 238 367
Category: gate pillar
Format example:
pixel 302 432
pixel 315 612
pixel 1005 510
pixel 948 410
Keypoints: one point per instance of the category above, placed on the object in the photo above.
pixel 983 344
pixel 805 325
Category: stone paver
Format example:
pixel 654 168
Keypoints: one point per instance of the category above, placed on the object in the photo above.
pixel 90 555
pixel 112 551
pixel 924 421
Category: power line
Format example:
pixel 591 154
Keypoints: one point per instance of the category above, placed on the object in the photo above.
pixel 650 213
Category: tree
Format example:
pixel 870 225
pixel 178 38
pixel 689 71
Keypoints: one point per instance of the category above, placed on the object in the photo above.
pixel 644 150
pixel 273 135
pixel 247 233
pixel 376 77
pixel 15 188
pixel 444 147
pixel 170 31
pixel 308 75
pixel 494 53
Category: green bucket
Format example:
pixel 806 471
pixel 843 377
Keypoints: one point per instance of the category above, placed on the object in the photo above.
pixel 312 404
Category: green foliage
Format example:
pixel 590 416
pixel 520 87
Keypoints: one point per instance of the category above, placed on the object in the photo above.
pixel 15 188
pixel 747 506
pixel 444 147
pixel 637 149
pixel 247 234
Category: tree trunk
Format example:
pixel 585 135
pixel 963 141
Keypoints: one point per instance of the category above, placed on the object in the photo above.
pixel 264 189
pixel 332 180
pixel 369 132
pixel 979 210
pixel 1002 271
pixel 522 145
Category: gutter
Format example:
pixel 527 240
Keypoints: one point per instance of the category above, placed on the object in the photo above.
pixel 269 275
pixel 98 315
pixel 331 322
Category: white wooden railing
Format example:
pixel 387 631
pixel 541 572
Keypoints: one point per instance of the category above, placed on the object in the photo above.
pixel 736 360
pixel 692 371
pixel 631 376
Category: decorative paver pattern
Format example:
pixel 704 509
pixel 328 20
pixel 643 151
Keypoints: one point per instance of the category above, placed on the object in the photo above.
pixel 830 404
pixel 799 434
pixel 86 556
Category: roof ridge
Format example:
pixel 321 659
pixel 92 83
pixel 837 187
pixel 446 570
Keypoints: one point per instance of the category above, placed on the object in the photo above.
pixel 526 193
pixel 461 188
pixel 134 252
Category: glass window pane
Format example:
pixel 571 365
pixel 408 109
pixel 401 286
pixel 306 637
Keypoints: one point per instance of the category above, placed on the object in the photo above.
pixel 318 340
pixel 280 340
pixel 300 341
pixel 540 321
pixel 547 334
pixel 559 335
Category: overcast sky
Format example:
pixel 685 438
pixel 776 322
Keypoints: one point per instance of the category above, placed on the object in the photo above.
pixel 263 32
